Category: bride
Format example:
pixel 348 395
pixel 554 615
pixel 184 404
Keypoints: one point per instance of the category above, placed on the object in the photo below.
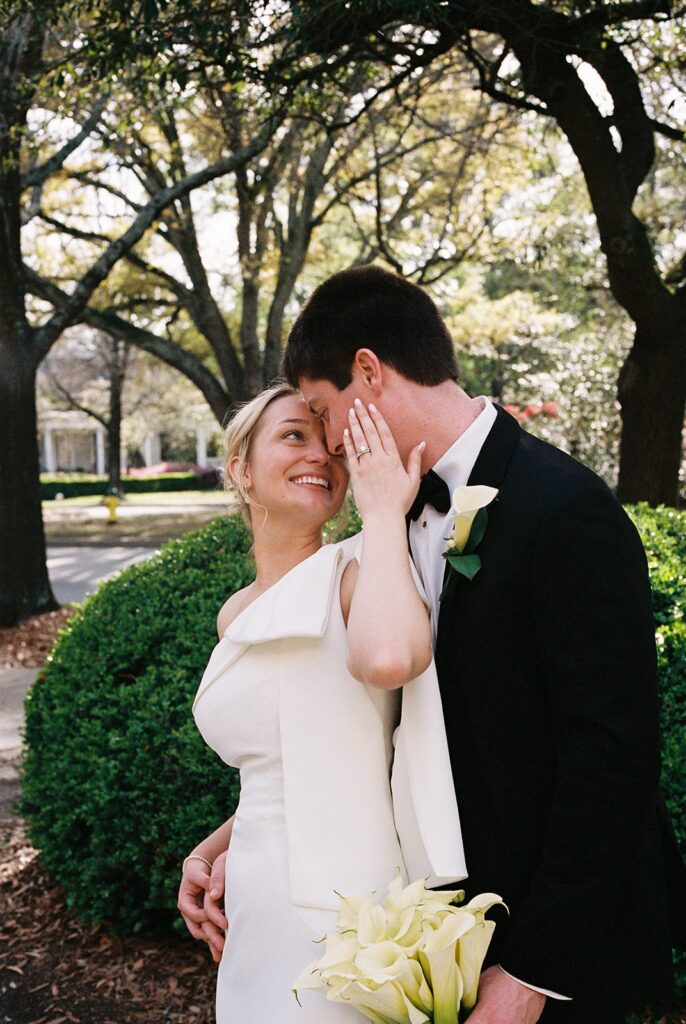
pixel 301 694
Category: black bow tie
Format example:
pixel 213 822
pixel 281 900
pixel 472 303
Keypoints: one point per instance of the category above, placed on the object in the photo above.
pixel 432 491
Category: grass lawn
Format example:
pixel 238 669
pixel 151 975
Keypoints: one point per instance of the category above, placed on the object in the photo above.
pixel 142 519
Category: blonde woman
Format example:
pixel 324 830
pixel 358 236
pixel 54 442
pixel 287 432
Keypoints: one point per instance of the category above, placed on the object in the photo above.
pixel 301 694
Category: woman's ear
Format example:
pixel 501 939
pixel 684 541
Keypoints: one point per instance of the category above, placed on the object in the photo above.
pixel 234 468
pixel 367 371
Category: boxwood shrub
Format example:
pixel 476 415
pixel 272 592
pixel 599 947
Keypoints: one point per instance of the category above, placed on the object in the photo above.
pixel 119 786
pixel 117 783
pixel 86 485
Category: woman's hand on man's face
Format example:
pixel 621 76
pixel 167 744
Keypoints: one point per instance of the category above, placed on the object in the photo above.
pixel 382 485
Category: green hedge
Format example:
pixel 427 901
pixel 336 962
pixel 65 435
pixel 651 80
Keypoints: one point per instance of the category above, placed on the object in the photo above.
pixel 118 785
pixel 85 485
pixel 117 782
pixel 663 532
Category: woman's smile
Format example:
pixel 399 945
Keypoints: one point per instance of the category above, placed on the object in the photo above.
pixel 318 481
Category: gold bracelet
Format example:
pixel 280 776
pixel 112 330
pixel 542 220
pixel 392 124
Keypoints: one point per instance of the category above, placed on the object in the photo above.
pixel 195 856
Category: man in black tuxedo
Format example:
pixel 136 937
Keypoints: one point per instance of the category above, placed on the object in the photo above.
pixel 546 663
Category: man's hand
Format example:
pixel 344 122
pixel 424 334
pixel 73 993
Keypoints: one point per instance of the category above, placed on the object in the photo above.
pixel 200 900
pixel 502 1000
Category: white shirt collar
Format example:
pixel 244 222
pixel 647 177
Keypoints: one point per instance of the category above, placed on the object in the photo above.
pixel 456 465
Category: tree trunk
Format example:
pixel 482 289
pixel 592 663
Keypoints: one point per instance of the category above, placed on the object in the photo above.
pixel 652 385
pixel 252 370
pixel 24 585
pixel 114 484
pixel 652 395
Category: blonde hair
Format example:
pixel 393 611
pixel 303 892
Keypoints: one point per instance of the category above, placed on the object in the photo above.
pixel 238 435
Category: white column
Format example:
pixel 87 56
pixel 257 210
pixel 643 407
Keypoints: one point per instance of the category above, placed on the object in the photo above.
pixel 99 451
pixel 151 449
pixel 49 460
pixel 200 445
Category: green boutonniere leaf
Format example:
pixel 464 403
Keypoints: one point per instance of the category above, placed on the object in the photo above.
pixel 466 565
pixel 476 534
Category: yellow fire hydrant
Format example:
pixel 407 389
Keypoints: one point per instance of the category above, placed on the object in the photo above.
pixel 111 501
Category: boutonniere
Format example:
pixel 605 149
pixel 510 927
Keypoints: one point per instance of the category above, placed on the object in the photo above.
pixel 469 527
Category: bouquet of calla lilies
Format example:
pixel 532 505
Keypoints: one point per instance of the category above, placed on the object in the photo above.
pixel 414 958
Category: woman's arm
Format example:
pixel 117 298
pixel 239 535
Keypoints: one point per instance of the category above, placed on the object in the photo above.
pixel 217 842
pixel 389 635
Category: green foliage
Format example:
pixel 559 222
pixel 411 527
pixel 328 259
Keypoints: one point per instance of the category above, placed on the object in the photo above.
pixel 663 531
pixel 118 784
pixel 85 484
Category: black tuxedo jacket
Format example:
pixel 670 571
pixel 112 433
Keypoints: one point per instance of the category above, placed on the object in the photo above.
pixel 547 669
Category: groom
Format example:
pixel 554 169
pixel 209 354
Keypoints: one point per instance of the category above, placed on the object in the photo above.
pixel 546 664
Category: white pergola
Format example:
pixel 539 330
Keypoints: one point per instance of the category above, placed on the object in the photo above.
pixel 205 427
pixel 71 441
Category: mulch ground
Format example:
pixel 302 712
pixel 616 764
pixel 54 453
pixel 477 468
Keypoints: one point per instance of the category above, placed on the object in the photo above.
pixel 28 644
pixel 54 969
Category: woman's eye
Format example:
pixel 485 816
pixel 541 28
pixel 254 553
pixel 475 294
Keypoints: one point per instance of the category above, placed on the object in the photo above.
pixel 295 433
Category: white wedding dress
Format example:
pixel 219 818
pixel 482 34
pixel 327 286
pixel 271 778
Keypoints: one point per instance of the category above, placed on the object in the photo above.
pixel 297 835
pixel 316 815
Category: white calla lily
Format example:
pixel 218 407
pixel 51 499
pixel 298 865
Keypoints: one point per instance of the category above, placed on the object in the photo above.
pixel 379 963
pixel 467 500
pixel 446 983
pixel 470 952
pixel 371 922
pixel 472 947
pixel 349 913
pixel 387 1004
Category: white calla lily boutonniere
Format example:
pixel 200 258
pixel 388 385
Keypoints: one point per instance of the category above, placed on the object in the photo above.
pixel 469 526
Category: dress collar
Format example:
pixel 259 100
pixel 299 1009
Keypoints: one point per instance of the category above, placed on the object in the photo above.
pixel 297 605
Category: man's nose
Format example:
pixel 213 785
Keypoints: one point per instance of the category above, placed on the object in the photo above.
pixel 333 447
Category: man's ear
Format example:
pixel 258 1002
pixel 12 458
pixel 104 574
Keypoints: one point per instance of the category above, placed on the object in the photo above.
pixel 367 371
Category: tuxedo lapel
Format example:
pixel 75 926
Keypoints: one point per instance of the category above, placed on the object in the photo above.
pixel 490 469
pixel 493 459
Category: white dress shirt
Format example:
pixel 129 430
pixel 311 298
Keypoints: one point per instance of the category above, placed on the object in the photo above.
pixel 429 532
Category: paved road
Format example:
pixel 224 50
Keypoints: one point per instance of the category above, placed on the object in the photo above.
pixel 14 684
pixel 76 571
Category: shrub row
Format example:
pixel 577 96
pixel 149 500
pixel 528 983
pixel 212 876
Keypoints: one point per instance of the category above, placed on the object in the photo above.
pixel 119 786
pixel 82 486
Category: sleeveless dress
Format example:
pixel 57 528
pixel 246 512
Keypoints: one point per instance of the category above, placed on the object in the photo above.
pixel 314 749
